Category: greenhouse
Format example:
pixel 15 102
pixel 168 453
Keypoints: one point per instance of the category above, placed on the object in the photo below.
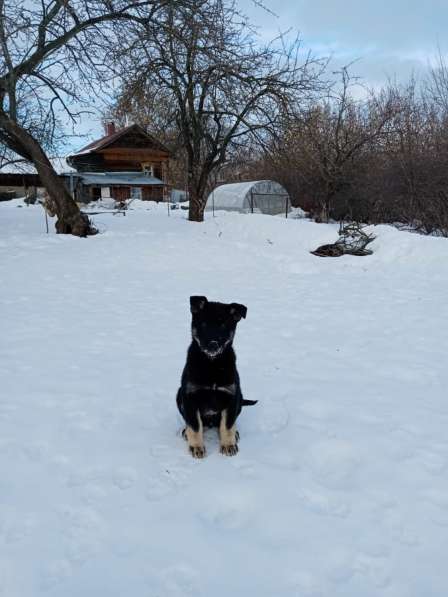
pixel 259 196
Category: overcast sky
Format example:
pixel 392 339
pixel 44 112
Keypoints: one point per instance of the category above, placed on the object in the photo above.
pixel 389 37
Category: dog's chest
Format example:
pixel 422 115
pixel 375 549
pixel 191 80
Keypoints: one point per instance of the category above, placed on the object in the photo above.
pixel 193 387
pixel 211 399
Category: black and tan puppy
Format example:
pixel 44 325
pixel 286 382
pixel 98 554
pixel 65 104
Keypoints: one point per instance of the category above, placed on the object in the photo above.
pixel 210 393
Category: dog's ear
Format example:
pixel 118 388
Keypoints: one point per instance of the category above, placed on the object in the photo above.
pixel 197 303
pixel 238 311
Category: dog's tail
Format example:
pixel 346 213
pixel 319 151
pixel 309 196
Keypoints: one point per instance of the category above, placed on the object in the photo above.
pixel 248 402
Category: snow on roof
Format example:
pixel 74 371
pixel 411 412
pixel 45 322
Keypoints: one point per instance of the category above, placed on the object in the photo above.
pixel 119 178
pixel 24 167
pixel 90 178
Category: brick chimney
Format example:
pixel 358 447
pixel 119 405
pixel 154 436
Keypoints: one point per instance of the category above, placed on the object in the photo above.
pixel 109 127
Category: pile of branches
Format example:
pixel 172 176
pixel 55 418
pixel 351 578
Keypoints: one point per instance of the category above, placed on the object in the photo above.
pixel 353 240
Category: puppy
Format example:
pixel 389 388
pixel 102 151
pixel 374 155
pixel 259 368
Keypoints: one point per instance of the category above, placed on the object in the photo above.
pixel 210 393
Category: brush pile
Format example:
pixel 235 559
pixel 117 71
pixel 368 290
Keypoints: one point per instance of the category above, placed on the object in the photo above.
pixel 352 240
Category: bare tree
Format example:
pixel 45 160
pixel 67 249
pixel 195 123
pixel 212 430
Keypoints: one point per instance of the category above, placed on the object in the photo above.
pixel 221 85
pixel 416 169
pixel 328 141
pixel 436 86
pixel 52 55
pixel 381 158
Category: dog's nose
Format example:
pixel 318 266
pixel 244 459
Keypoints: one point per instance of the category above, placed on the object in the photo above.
pixel 213 345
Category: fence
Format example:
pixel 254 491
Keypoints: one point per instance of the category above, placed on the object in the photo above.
pixel 266 203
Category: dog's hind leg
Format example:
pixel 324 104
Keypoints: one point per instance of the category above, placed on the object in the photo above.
pixel 195 438
pixel 228 436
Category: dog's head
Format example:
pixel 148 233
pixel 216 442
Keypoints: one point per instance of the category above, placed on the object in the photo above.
pixel 213 324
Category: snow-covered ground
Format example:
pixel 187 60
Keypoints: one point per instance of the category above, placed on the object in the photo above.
pixel 340 488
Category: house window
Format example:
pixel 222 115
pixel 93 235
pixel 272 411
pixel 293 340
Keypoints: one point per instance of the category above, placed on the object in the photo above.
pixel 148 169
pixel 136 193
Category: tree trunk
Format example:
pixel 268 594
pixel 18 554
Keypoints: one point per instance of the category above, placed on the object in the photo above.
pixel 326 203
pixel 70 220
pixel 197 206
pixel 324 216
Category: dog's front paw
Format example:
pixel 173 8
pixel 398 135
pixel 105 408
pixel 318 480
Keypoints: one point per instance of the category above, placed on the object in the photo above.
pixel 197 451
pixel 229 449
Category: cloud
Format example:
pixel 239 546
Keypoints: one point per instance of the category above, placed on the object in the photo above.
pixel 390 37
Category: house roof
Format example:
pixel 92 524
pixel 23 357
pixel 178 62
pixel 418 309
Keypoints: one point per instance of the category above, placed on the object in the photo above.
pixel 107 140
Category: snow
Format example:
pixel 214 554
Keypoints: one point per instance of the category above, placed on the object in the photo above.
pixel 340 487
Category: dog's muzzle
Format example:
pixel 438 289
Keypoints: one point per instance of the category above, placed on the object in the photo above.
pixel 213 349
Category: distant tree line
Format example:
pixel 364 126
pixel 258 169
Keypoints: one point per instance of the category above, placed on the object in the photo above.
pixel 379 159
